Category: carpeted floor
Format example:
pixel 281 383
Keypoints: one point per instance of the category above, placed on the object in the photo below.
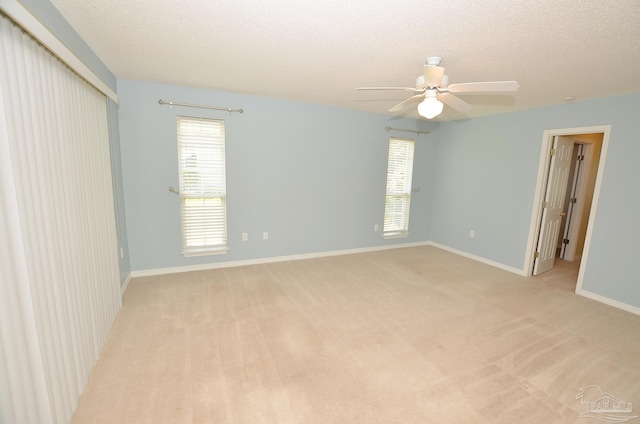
pixel 413 335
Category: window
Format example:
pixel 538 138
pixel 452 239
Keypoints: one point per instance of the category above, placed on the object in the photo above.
pixel 203 206
pixel 399 171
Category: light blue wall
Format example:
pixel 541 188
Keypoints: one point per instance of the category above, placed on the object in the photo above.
pixel 485 178
pixel 287 160
pixel 116 168
pixel 312 176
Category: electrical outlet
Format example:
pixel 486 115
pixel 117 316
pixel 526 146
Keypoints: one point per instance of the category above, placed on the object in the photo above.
pixel 121 252
pixel 245 236
pixel 376 227
pixel 472 234
pixel 265 236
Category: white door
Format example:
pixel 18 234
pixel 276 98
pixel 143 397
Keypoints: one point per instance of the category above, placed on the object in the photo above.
pixel 553 203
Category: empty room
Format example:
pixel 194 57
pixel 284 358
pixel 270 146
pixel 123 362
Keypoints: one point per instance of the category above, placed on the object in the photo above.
pixel 339 212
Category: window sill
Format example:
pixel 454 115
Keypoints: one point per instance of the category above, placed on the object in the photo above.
pixel 395 235
pixel 207 252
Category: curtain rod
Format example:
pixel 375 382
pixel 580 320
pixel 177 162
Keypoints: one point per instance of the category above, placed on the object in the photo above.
pixel 170 103
pixel 400 129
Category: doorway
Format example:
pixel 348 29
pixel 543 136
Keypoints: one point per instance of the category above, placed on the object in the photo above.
pixel 582 184
pixel 579 195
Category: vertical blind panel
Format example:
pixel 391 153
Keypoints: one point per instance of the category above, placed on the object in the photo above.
pixel 399 176
pixel 23 394
pixel 201 157
pixel 58 138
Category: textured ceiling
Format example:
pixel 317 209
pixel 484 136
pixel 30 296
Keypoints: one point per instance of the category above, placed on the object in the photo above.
pixel 320 51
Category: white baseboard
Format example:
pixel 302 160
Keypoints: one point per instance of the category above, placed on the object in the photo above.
pixel 607 301
pixel 125 285
pixel 593 296
pixel 478 258
pixel 217 265
pixel 172 270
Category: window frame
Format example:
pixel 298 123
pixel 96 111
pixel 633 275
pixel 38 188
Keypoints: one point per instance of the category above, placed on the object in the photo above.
pixel 204 225
pixel 398 187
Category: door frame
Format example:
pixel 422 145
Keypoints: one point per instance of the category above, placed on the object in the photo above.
pixel 541 184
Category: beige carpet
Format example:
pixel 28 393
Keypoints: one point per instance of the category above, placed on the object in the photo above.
pixel 414 335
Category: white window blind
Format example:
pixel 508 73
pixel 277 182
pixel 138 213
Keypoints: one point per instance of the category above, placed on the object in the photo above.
pixel 398 198
pixel 203 206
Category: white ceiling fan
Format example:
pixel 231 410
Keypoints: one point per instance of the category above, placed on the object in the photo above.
pixel 434 90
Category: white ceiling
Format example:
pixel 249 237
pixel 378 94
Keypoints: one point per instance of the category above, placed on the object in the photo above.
pixel 320 51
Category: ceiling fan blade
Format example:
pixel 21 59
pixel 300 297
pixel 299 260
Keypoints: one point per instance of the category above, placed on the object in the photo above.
pixel 484 87
pixel 415 90
pixel 402 105
pixel 433 75
pixel 456 103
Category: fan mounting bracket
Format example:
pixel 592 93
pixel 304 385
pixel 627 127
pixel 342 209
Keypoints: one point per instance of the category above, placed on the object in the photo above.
pixel 434 60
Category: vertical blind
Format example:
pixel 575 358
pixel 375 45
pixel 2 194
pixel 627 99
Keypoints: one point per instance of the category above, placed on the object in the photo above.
pixel 59 274
pixel 201 163
pixel 398 197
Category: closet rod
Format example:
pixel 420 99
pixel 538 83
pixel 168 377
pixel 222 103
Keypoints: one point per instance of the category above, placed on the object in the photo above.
pixel 170 103
pixel 400 129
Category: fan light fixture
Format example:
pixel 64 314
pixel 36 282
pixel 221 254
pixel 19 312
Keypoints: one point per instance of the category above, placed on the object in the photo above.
pixel 430 106
pixel 433 90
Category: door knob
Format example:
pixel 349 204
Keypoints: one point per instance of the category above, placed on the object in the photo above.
pixel 562 214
